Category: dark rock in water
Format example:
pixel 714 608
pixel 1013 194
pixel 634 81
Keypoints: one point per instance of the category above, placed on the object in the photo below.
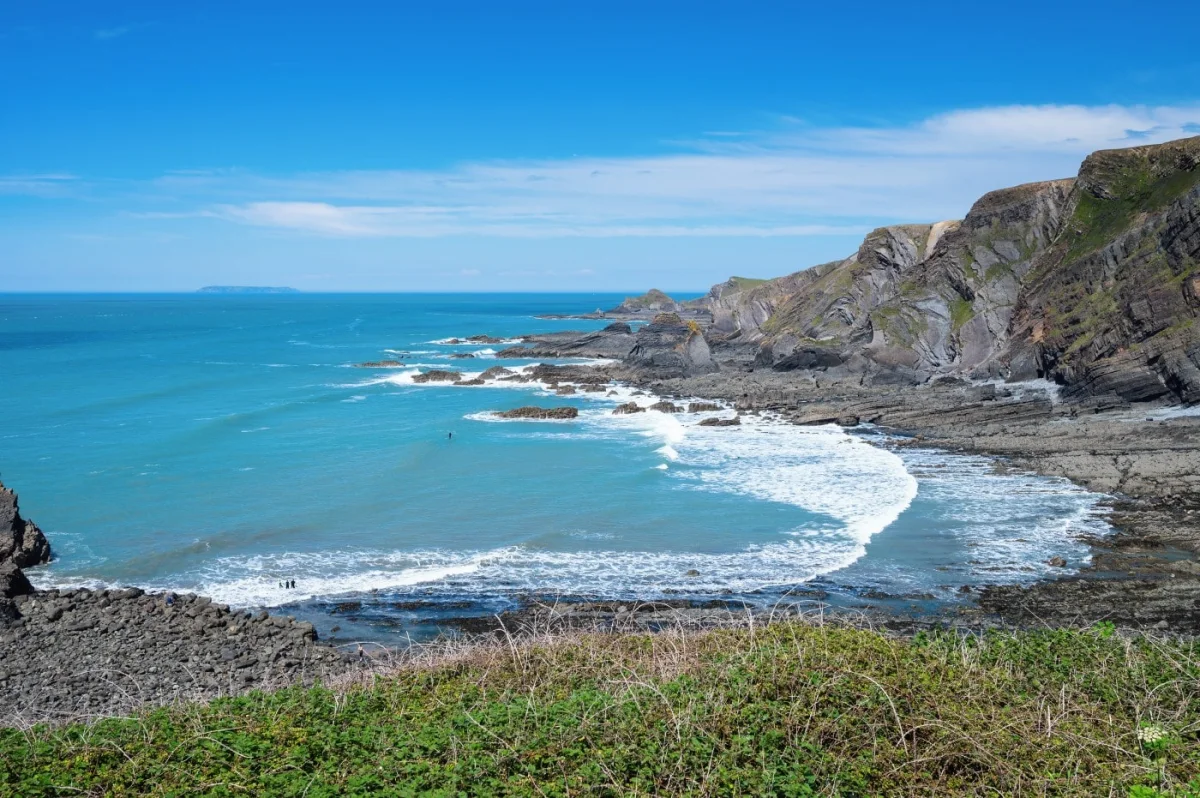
pixel 484 339
pixel 565 390
pixel 12 581
pixel 462 356
pixel 495 372
pixel 692 572
pixel 1057 562
pixel 722 422
pixel 702 407
pixel 379 364
pixel 847 421
pixel 475 381
pixel 438 375
pixel 20 539
pixel 665 407
pixel 548 413
pixel 627 408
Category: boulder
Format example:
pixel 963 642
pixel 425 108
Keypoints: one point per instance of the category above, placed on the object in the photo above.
pixel 13 581
pixel 565 390
pixel 702 407
pixel 540 413
pixel 20 539
pixel 495 372
pixel 665 407
pixel 627 408
pixel 462 356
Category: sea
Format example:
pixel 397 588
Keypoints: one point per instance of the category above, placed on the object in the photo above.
pixel 229 445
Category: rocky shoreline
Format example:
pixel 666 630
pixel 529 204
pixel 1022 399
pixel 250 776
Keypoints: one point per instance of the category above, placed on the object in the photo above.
pixel 79 654
pixel 944 333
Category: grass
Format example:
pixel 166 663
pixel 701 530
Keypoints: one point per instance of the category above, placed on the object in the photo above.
pixel 786 709
pixel 961 312
pixel 1137 190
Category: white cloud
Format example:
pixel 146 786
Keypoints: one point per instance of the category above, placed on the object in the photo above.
pixel 795 180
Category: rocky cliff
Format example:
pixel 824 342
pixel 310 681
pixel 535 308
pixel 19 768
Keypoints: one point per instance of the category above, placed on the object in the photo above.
pixel 21 542
pixel 1092 282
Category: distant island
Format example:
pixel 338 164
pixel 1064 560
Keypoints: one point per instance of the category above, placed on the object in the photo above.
pixel 247 289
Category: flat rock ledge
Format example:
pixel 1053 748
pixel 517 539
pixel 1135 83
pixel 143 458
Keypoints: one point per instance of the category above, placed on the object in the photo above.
pixel 540 413
pixel 81 654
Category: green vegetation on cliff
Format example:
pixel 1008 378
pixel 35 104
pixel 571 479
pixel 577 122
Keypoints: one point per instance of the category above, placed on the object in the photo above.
pixel 1123 185
pixel 784 709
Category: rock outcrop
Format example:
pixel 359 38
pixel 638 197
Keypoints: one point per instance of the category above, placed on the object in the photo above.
pixel 539 413
pixel 21 542
pixel 671 347
pixel 614 341
pixel 379 364
pixel 654 302
pixel 1092 282
pixel 437 375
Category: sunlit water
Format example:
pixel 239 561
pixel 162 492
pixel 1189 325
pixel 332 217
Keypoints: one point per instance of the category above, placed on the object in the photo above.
pixel 223 445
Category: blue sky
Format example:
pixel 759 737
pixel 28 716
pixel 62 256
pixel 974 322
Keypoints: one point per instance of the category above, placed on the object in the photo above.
pixel 542 146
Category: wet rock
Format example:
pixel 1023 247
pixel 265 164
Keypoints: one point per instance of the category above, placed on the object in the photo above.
pixel 665 407
pixel 379 364
pixel 540 413
pixel 1057 562
pixel 627 408
pixel 722 422
pixel 437 375
pixel 702 407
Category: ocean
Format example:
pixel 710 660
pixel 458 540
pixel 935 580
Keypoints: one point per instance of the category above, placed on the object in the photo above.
pixel 225 445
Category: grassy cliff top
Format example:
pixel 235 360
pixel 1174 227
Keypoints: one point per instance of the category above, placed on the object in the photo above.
pixel 784 709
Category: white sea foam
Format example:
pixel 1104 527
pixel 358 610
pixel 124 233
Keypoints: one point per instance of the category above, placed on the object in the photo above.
pixel 852 489
pixel 464 342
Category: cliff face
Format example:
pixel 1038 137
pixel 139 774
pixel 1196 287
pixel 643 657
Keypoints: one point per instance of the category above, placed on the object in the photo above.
pixel 1093 282
pixel 1111 306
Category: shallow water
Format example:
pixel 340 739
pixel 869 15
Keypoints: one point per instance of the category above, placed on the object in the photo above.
pixel 224 444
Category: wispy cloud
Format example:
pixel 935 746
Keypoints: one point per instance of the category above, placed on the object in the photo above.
pixel 103 34
pixel 39 185
pixel 794 180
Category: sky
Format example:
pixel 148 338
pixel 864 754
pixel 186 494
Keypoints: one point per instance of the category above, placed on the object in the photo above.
pixel 556 146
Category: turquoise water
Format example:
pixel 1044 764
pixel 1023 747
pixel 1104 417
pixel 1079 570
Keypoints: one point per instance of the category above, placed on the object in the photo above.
pixel 223 444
